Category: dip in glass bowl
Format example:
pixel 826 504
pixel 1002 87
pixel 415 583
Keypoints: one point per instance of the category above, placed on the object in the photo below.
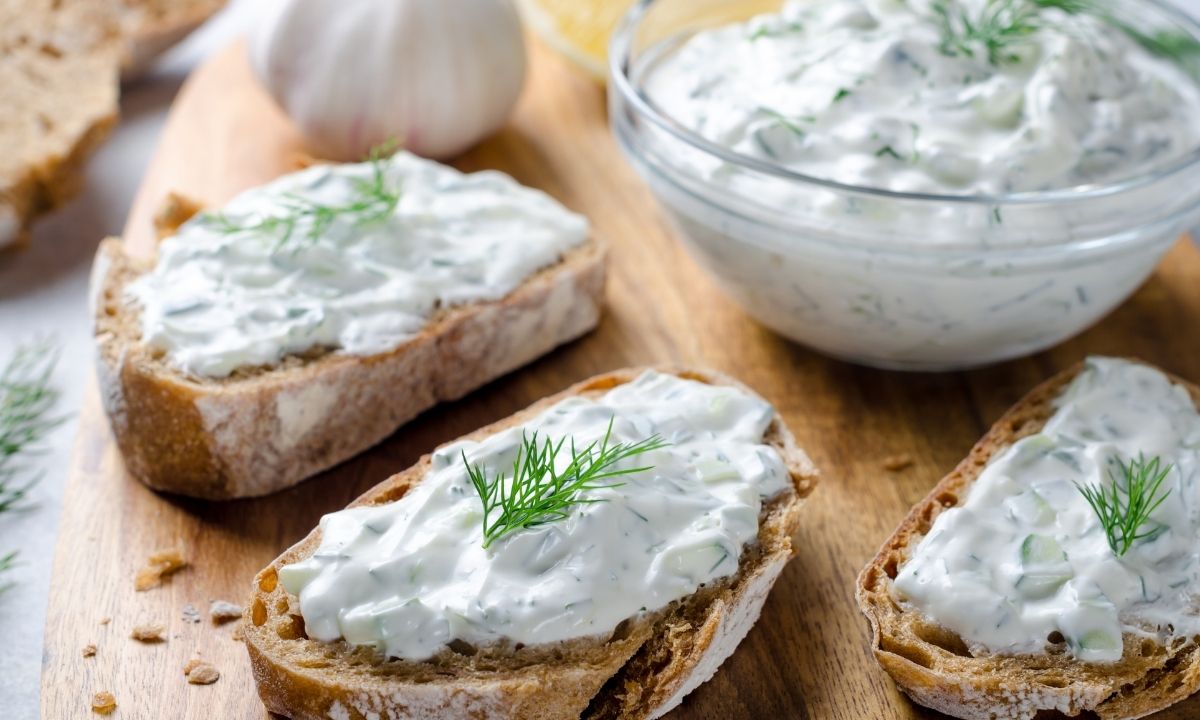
pixel 881 183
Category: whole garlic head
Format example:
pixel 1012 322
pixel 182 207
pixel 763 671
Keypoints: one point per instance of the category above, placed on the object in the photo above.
pixel 436 76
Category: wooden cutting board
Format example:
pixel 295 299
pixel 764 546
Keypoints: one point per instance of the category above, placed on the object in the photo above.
pixel 806 658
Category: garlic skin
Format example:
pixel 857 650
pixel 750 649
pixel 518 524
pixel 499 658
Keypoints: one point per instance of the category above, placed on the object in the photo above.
pixel 436 76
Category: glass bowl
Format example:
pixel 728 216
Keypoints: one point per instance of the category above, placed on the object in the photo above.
pixel 890 279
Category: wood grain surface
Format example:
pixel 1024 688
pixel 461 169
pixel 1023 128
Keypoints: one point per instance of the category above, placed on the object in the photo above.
pixel 806 658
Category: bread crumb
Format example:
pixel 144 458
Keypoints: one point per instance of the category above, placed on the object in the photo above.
pixel 103 702
pixel 237 633
pixel 896 463
pixel 149 632
pixel 191 614
pixel 158 566
pixel 199 672
pixel 89 650
pixel 105 621
pixel 222 612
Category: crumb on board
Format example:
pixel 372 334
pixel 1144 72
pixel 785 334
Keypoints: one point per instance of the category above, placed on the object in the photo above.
pixel 158 566
pixel 222 611
pixel 237 633
pixel 105 620
pixel 103 702
pixel 898 462
pixel 200 672
pixel 191 614
pixel 149 632
pixel 89 650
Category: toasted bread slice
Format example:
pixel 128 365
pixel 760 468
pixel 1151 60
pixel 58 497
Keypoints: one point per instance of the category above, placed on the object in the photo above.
pixel 643 670
pixel 265 428
pixel 933 664
pixel 60 67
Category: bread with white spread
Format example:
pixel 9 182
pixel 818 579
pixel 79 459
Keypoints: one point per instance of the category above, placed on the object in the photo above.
pixel 268 425
pixel 641 669
pixel 939 668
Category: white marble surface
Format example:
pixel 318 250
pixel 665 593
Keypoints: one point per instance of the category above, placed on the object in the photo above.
pixel 43 291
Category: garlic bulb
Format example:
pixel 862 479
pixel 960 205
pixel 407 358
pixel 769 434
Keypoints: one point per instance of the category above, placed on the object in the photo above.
pixel 436 76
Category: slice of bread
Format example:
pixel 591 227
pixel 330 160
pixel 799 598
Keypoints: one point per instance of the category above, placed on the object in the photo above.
pixel 149 27
pixel 60 67
pixel 642 670
pixel 265 428
pixel 934 666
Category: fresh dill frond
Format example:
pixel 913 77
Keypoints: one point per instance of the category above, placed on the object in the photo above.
pixel 1003 25
pixel 374 201
pixel 27 398
pixel 1124 506
pixel 538 493
pixel 1000 27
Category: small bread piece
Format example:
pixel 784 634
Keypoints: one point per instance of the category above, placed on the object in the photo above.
pixel 60 67
pixel 266 428
pixel 151 26
pixel 933 665
pixel 643 670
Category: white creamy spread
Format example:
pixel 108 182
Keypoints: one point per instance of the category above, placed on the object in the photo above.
pixel 218 300
pixel 867 93
pixel 1025 557
pixel 411 576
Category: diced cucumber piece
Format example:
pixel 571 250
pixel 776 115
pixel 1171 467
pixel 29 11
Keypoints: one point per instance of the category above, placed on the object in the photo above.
pixel 1099 641
pixel 1041 550
pixel 716 471
pixel 1035 586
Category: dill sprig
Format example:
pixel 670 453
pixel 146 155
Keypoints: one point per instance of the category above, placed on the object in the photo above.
pixel 27 398
pixel 539 493
pixel 999 27
pixel 1124 506
pixel 1003 25
pixel 375 200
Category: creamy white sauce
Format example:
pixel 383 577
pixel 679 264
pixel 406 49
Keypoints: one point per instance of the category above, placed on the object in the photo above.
pixel 865 93
pixel 1024 556
pixel 411 576
pixel 217 301
pixel 917 283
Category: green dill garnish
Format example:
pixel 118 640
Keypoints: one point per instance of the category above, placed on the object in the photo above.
pixel 26 400
pixel 787 122
pixel 889 151
pixel 374 201
pixel 841 95
pixel 1124 506
pixel 1003 25
pixel 1000 25
pixel 538 493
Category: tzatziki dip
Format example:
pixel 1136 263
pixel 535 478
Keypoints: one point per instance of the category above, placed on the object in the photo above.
pixel 411 576
pixel 354 258
pixel 1024 562
pixel 899 95
pixel 922 184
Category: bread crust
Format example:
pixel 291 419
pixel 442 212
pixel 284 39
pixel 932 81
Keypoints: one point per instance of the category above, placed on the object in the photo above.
pixel 589 677
pixel 934 667
pixel 265 429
